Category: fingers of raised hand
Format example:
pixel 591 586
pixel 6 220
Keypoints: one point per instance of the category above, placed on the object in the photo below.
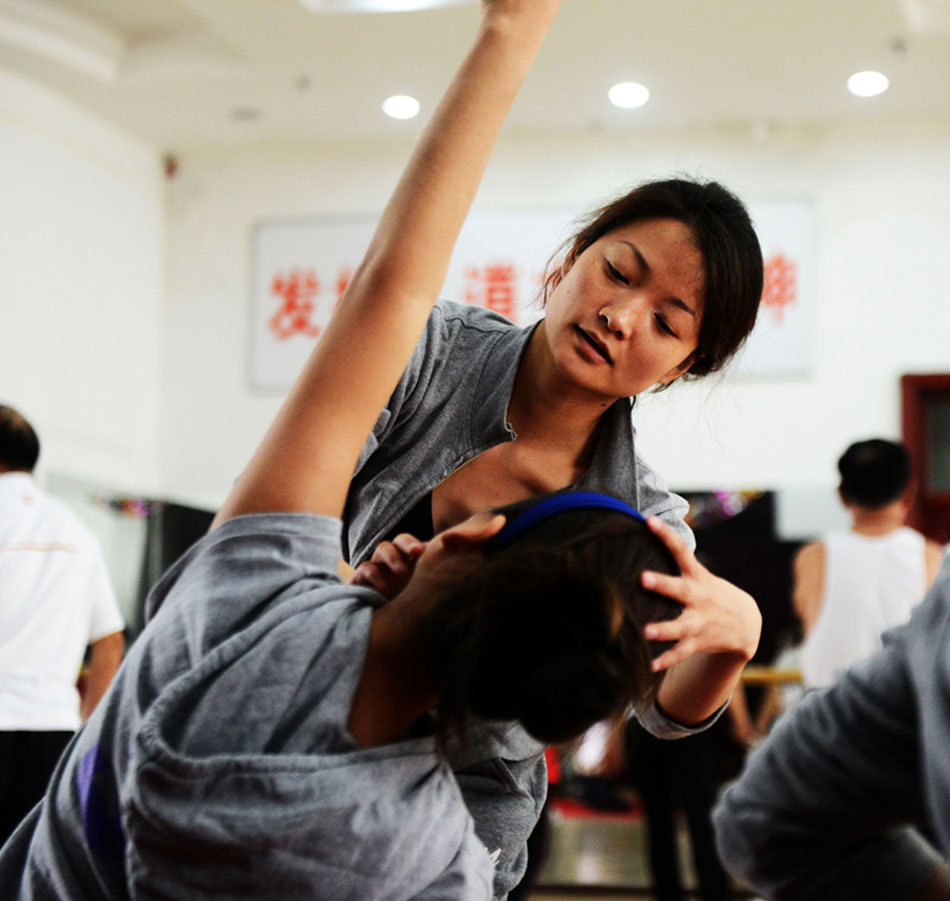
pixel 677 631
pixel 532 10
pixel 674 587
pixel 681 651
pixel 666 630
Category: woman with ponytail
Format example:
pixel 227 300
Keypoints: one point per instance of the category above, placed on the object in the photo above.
pixel 268 735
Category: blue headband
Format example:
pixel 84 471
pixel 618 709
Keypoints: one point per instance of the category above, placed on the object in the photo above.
pixel 562 503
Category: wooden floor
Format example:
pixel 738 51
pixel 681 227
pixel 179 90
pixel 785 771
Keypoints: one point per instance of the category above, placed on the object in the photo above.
pixel 603 859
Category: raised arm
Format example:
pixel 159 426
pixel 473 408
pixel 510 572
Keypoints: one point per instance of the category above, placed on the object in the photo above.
pixel 306 459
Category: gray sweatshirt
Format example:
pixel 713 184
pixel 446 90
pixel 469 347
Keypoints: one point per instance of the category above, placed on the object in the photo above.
pixel 219 765
pixel 823 806
pixel 451 405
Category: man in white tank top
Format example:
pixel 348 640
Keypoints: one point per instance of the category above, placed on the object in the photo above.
pixel 852 586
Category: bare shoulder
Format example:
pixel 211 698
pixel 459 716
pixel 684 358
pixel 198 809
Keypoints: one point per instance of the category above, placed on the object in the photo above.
pixel 933 557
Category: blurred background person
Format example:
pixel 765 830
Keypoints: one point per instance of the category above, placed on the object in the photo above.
pixel 672 777
pixel 852 586
pixel 55 601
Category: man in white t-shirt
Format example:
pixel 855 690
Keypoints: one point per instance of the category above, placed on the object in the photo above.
pixel 850 587
pixel 55 601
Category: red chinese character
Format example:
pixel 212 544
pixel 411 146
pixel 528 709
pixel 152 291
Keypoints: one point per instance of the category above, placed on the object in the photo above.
pixel 297 291
pixel 495 287
pixel 781 284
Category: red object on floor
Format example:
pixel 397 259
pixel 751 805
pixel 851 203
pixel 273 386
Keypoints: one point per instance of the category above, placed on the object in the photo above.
pixel 571 807
pixel 554 765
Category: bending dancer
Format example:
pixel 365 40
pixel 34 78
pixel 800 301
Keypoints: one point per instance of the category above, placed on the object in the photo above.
pixel 267 735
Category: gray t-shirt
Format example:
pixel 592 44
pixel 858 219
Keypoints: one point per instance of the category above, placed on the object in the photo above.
pixel 219 763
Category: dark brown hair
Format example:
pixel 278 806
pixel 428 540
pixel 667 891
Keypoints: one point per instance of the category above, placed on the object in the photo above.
pixel 724 235
pixel 549 631
pixel 19 446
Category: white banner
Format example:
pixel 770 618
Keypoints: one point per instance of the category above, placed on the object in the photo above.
pixel 301 268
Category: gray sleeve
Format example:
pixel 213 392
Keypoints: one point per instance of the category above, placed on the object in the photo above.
pixel 821 808
pixel 659 725
pixel 505 798
pixel 410 391
pixel 501 771
pixel 465 878
pixel 243 566
pixel 655 499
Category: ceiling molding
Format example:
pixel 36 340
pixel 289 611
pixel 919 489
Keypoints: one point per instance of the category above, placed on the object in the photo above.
pixel 928 17
pixel 63 37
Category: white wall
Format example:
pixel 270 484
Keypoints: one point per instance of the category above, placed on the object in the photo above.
pixel 124 329
pixel 81 259
pixel 883 200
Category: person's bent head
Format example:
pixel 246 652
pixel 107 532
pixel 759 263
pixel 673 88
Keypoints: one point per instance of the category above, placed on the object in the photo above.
pixel 874 473
pixel 547 629
pixel 723 233
pixel 19 446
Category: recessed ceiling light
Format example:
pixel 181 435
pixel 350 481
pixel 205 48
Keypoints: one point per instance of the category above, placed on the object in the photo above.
pixel 400 106
pixel 867 84
pixel 628 94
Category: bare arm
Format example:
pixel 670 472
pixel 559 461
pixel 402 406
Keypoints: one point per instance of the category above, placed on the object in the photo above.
pixel 933 555
pixel 103 663
pixel 306 460
pixel 809 574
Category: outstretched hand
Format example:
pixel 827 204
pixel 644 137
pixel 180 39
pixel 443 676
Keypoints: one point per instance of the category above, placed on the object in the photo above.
pixel 534 12
pixel 391 566
pixel 717 617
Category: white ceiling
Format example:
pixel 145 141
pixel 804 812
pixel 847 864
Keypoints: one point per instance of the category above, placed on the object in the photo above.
pixel 182 73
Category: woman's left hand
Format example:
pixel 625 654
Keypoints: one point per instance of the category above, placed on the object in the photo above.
pixel 717 617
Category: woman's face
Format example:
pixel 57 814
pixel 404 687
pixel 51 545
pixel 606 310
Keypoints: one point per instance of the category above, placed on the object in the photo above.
pixel 626 315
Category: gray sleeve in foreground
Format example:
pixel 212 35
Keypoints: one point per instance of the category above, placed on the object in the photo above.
pixel 820 809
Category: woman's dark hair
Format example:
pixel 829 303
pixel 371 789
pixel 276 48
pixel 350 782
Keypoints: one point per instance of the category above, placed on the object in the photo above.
pixel 549 630
pixel 724 235
pixel 874 473
pixel 19 446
